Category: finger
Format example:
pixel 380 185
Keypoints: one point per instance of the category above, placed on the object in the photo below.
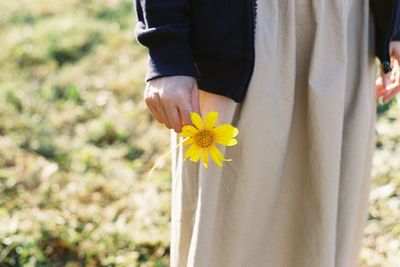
pixel 396 72
pixel 153 101
pixel 184 112
pixel 390 95
pixel 394 79
pixel 384 83
pixel 381 91
pixel 394 61
pixel 387 85
pixel 154 112
pixel 391 89
pixel 149 100
pixel 385 91
pixel 394 58
pixel 173 117
pixel 386 79
pixel 164 116
pixel 380 88
pixel 379 85
pixel 160 109
pixel 172 114
pixel 185 107
pixel 195 99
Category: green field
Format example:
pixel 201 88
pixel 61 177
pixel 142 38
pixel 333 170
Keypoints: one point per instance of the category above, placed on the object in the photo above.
pixel 77 141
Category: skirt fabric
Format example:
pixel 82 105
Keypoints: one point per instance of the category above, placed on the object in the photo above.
pixel 296 191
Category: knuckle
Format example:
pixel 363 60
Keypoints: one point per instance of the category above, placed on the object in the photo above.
pixel 183 94
pixel 185 108
pixel 166 97
pixel 147 100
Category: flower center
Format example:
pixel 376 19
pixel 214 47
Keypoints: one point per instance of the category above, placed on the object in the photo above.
pixel 204 138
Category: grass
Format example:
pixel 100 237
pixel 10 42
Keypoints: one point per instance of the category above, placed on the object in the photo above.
pixel 76 143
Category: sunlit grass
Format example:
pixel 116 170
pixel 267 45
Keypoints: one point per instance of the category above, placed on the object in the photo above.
pixel 77 141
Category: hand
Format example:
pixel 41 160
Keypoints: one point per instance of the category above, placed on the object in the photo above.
pixel 389 84
pixel 171 99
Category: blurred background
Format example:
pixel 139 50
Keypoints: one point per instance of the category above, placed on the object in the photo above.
pixel 77 142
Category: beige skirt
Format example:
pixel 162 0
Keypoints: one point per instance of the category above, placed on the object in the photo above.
pixel 296 191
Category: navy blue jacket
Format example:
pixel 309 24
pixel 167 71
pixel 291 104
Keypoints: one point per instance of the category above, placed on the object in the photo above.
pixel 213 40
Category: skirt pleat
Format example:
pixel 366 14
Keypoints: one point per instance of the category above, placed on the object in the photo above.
pixel 296 191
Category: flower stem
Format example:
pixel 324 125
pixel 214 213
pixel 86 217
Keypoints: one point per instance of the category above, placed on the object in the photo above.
pixel 161 157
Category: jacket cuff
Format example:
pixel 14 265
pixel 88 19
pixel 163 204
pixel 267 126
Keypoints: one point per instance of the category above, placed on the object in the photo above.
pixel 396 37
pixel 171 58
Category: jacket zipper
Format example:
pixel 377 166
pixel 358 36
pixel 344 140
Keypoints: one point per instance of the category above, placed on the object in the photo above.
pixel 253 14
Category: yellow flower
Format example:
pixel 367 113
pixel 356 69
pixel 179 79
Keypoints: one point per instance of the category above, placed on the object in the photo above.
pixel 203 136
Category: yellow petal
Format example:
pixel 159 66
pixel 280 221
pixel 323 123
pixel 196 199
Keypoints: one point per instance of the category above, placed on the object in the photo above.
pixel 204 156
pixel 188 141
pixel 223 134
pixel 186 134
pixel 225 130
pixel 210 120
pixel 188 130
pixel 192 151
pixel 196 120
pixel 215 155
pixel 227 141
pixel 196 154
pixel 232 142
pixel 188 152
pixel 235 131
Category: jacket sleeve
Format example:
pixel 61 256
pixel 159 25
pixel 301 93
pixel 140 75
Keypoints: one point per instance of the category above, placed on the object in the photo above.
pixel 396 37
pixel 396 22
pixel 163 27
pixel 383 16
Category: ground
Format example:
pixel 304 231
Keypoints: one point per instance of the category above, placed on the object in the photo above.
pixel 77 143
